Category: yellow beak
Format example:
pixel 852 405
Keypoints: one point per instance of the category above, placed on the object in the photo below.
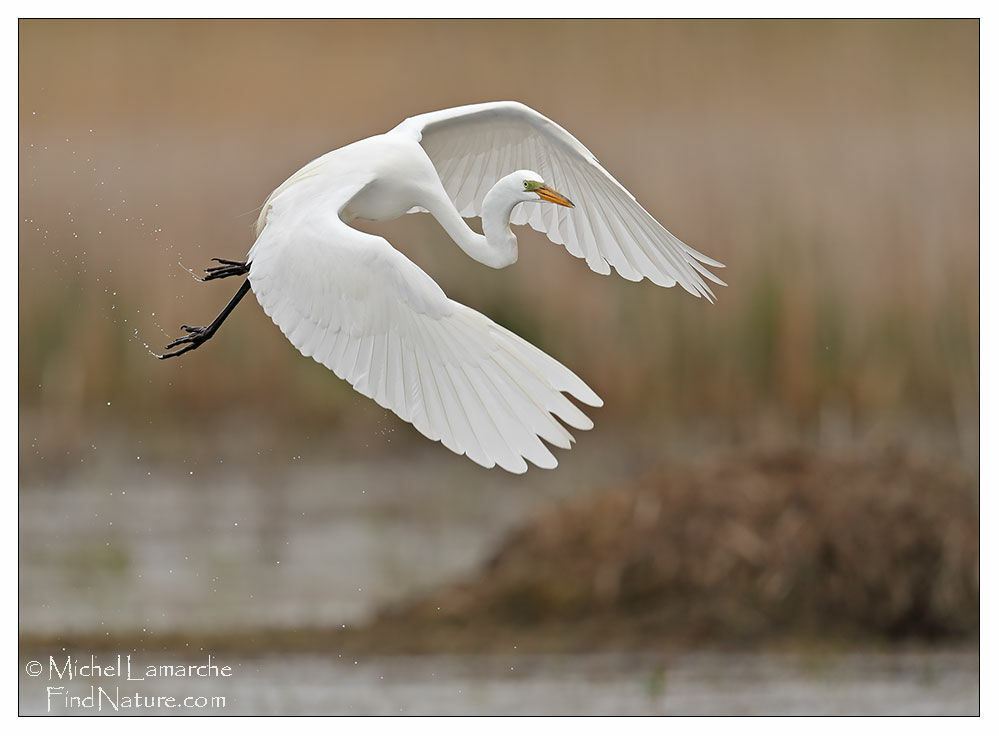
pixel 550 195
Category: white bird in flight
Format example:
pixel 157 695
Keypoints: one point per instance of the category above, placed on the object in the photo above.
pixel 352 302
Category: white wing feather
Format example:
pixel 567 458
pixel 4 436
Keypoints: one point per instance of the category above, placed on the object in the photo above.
pixel 474 146
pixel 361 308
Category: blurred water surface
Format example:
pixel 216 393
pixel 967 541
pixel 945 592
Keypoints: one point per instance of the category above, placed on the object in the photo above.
pixel 695 683
pixel 226 538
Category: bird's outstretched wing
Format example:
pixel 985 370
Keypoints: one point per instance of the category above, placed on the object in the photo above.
pixel 474 146
pixel 352 302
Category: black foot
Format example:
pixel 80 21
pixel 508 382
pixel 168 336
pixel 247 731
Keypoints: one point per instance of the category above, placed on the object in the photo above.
pixel 194 339
pixel 228 268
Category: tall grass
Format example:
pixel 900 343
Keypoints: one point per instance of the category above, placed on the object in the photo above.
pixel 833 166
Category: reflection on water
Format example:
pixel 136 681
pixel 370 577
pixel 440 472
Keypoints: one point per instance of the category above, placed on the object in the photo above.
pixel 204 544
pixel 911 683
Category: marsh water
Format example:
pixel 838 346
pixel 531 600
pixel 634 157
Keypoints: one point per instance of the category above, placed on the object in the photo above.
pixel 696 683
pixel 202 546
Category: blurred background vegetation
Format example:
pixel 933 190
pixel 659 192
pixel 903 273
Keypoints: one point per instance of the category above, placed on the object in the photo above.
pixel 245 494
pixel 833 166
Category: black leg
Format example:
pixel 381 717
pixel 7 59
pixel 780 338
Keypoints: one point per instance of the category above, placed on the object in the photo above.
pixel 198 335
pixel 228 268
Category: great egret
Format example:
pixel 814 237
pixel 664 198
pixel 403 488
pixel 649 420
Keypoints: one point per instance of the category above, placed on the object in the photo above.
pixel 361 308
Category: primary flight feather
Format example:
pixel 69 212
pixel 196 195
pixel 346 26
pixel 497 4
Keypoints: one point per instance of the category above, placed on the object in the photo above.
pixel 351 301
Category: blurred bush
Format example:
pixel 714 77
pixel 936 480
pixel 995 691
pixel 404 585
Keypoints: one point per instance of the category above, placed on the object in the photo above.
pixel 766 547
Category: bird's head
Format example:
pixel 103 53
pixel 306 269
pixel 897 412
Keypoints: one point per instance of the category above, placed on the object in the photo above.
pixel 532 188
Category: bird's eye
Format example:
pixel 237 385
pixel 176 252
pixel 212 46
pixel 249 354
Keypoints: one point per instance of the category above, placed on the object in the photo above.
pixel 525 184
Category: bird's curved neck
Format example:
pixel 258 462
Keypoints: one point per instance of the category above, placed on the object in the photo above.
pixel 497 247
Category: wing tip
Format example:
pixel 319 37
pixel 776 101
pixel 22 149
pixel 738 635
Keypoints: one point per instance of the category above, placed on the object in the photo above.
pixel 586 395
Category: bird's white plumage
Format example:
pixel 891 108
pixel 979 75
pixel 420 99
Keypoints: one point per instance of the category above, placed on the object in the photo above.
pixel 352 302
pixel 361 308
pixel 473 146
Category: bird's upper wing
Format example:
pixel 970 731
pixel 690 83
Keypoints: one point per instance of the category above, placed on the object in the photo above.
pixel 352 302
pixel 474 146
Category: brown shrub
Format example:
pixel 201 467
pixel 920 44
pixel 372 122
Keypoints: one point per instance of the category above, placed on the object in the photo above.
pixel 758 547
